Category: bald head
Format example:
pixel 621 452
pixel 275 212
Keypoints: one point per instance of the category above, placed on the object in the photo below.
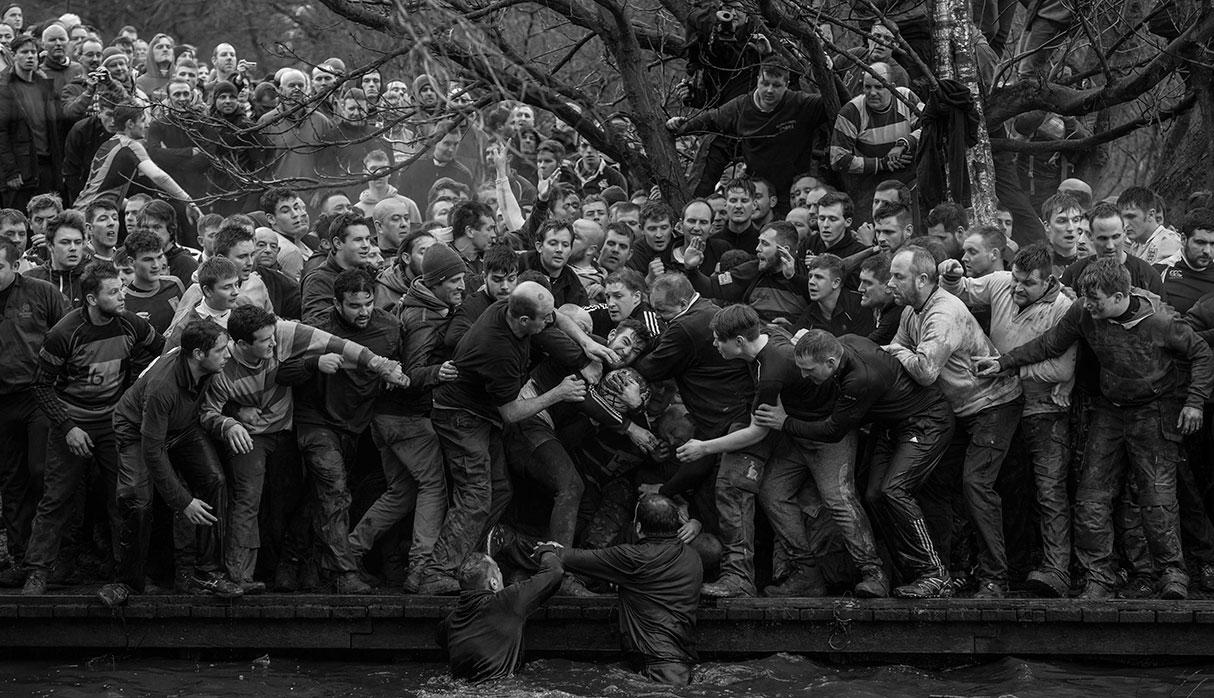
pixel 54 31
pixel 531 306
pixel 588 238
pixel 54 41
pixel 877 96
pixel 387 208
pixel 293 84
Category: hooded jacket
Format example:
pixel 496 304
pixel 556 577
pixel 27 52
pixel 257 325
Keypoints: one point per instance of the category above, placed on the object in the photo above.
pixel 66 280
pixel 425 319
pixel 1139 358
pixel 391 285
pixel 1047 385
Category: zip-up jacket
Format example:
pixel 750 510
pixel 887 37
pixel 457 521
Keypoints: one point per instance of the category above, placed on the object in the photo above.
pixel 424 319
pixel 66 280
pixel 30 307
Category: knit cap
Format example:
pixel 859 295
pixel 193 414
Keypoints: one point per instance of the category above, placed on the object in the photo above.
pixel 441 263
pixel 109 53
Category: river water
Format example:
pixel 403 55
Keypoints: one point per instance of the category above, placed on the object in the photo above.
pixel 774 676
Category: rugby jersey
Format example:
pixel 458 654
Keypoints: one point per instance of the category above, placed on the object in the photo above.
pixel 249 385
pixel 84 367
pixel 159 303
pixel 114 167
pixel 862 137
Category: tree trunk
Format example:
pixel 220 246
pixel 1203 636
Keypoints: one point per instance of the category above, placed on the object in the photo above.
pixel 981 164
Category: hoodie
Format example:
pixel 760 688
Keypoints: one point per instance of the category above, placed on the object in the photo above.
pixel 67 281
pixel 1047 385
pixel 425 319
pixel 1140 358
pixel 391 284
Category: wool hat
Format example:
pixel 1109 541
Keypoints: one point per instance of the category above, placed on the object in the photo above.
pixel 441 263
pixel 110 52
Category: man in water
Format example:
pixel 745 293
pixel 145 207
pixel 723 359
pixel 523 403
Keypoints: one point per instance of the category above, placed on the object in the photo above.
pixel 659 581
pixel 483 636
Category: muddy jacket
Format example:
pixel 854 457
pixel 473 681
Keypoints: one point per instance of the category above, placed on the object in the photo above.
pixel 769 292
pixel 1138 357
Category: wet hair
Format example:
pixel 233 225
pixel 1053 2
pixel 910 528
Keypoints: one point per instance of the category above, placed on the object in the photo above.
pixel 500 259
pixel 838 198
pixel 141 241
pixel 786 234
pixel 246 320
pixel 1035 257
pixel 672 287
pixel 992 236
pixel 630 279
pixel 818 346
pixel 468 214
pixel 200 335
pixel 216 269
pixel 229 236
pixel 1058 203
pixel 70 219
pixel 737 320
pixel 657 514
pixel 272 197
pixel 644 338
pixel 475 572
pixel 1197 219
pixel 830 262
pixel 354 280
pixel 92 276
pixel 656 211
pixel 554 225
pixel 1141 198
pixel 878 266
pixel 1105 275
pixel 949 215
pixel 743 183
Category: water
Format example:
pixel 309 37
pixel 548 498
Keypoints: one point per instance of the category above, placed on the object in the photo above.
pixel 771 677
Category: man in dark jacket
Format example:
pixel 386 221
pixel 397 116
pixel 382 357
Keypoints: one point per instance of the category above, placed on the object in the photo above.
pixel 659 588
pixel 350 243
pixel 65 242
pixel 483 636
pixel 1138 420
pixel 31 147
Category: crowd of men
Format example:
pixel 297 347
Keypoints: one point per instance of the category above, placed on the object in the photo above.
pixel 219 379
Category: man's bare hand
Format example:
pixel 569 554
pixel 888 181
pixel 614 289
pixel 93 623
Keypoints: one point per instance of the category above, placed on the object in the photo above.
pixel 1190 420
pixel 79 442
pixel 199 513
pixel 238 439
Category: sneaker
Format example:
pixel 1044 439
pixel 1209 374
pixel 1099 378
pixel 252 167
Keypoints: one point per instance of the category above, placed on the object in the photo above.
pixel 804 582
pixel 572 586
pixel 1139 587
pixel 1095 591
pixel 874 585
pixel 286 577
pixel 251 586
pixel 114 594
pixel 1174 590
pixel 929 587
pixel 35 584
pixel 349 583
pixel 438 585
pixel 215 583
pixel 727 588
pixel 1046 584
pixel 1206 573
pixel 991 590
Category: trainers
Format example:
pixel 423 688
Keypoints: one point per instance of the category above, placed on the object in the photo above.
pixel 804 582
pixel 114 594
pixel 1174 590
pixel 216 584
pixel 1095 591
pixel 286 577
pixel 349 583
pixel 1139 587
pixel 874 585
pixel 572 586
pixel 35 584
pixel 929 587
pixel 991 590
pixel 438 585
pixel 251 586
pixel 727 588
pixel 1046 584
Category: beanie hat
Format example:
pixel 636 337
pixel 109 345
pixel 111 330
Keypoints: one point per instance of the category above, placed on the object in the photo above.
pixel 441 263
pixel 109 53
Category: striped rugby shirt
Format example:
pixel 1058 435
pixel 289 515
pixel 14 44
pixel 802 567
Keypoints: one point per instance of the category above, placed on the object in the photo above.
pixel 85 367
pixel 248 385
pixel 862 137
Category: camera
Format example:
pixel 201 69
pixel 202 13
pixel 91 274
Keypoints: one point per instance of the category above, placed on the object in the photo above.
pixel 101 75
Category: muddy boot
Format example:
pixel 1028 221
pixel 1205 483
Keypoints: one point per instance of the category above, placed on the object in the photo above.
pixel 805 581
pixel 873 585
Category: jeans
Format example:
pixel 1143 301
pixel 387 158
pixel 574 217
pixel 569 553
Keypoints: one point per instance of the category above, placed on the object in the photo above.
pixel 480 480
pixel 987 436
pixel 1144 438
pixel 24 431
pixel 413 467
pixel 830 468
pixel 1047 439
pixel 274 455
pixel 903 460
pixel 325 452
pixel 194 547
pixel 65 472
